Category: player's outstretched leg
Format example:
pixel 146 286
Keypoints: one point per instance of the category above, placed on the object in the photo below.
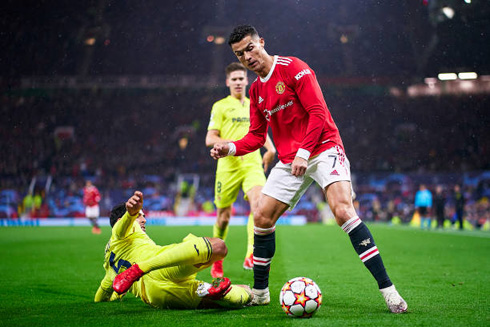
pixel 363 243
pixel 264 249
pixel 193 251
pixel 221 292
pixel 124 280
pixel 238 296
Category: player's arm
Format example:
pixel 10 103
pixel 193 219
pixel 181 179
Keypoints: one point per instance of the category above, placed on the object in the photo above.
pixel 253 140
pixel 215 126
pixel 133 207
pixel 311 97
pixel 105 293
pixel 257 132
pixel 97 196
pixel 270 154
pixel 213 136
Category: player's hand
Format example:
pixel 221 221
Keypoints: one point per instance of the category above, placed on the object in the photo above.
pixel 220 150
pixel 135 203
pixel 298 167
pixel 267 159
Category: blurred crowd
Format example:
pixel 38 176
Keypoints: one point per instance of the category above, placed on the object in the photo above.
pixel 123 139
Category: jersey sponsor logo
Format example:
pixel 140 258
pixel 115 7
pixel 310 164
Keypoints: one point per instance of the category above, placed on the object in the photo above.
pixel 269 113
pixel 260 99
pixel 335 173
pixel 280 87
pixel 240 120
pixel 302 73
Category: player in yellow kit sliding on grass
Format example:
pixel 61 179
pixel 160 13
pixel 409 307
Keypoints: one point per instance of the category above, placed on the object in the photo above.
pixel 162 276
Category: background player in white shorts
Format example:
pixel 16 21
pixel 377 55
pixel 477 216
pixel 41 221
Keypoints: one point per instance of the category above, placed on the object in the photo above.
pixel 91 199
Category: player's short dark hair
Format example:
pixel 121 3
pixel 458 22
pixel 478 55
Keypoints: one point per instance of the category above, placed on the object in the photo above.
pixel 240 32
pixel 233 67
pixel 116 213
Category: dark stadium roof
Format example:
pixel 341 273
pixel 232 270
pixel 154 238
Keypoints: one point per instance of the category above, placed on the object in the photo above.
pixel 337 38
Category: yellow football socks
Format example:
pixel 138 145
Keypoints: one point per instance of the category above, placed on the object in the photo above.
pixel 220 233
pixel 237 297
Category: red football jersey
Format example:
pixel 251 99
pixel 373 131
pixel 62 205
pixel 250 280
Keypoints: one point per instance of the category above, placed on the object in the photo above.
pixel 289 99
pixel 91 196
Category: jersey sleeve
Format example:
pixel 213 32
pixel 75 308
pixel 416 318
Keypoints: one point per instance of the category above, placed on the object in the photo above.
pixel 97 195
pixel 257 132
pixel 123 225
pixel 104 292
pixel 85 196
pixel 216 119
pixel 310 95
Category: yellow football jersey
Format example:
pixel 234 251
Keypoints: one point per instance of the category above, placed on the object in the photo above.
pixel 232 119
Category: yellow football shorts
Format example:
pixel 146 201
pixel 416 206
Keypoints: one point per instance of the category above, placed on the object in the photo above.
pixel 228 184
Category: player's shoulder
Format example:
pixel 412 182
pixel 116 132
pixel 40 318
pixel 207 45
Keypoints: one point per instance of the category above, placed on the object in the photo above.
pixel 290 62
pixel 221 103
pixel 253 87
pixel 295 68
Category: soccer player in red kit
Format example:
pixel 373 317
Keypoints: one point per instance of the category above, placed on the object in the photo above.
pixel 287 97
pixel 91 199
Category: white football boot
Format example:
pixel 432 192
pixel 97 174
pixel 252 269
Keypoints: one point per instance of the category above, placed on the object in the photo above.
pixel 394 301
pixel 261 297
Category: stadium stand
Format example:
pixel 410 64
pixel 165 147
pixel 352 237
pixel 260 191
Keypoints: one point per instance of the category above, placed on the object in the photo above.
pixel 125 139
pixel 128 107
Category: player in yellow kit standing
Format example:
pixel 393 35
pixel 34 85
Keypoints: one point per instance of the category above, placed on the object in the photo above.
pixel 230 121
pixel 162 276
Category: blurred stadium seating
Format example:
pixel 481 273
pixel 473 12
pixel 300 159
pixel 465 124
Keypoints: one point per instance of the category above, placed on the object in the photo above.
pixel 121 94
pixel 125 139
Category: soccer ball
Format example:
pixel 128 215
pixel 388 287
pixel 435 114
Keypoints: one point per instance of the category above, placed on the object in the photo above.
pixel 300 297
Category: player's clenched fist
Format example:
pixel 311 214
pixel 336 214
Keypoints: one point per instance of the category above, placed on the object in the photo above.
pixel 298 166
pixel 135 203
pixel 220 150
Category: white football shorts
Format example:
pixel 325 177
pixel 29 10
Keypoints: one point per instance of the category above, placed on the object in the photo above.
pixel 326 168
pixel 92 212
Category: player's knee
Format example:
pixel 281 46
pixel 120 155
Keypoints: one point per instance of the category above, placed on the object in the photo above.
pixel 261 219
pixel 343 211
pixel 219 249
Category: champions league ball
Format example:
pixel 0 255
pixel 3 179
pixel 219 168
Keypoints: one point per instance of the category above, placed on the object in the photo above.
pixel 300 297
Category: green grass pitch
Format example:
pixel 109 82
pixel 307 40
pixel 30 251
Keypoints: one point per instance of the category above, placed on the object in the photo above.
pixel 49 275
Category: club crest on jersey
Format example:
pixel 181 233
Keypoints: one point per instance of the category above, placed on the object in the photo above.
pixel 280 87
